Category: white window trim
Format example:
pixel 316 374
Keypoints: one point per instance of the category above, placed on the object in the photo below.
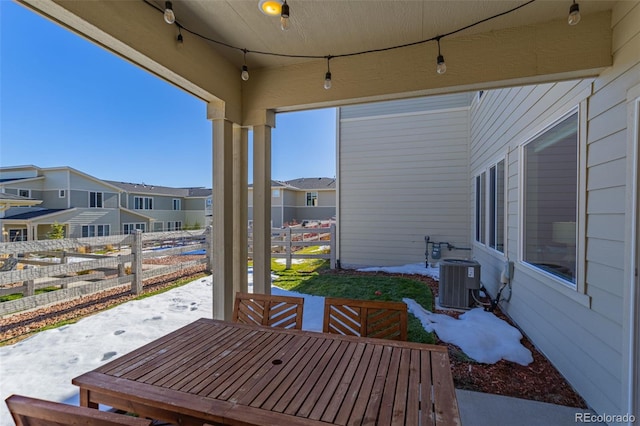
pixel 575 291
pixel 28 192
pixel 177 201
pixel 101 199
pixel 503 156
pixel 62 193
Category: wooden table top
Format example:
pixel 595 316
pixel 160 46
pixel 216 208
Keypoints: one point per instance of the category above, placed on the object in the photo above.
pixel 230 373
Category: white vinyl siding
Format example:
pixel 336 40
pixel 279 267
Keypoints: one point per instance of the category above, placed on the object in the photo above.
pixel 579 330
pixel 402 177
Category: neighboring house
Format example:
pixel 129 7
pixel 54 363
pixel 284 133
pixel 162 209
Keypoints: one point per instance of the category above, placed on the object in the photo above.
pixel 162 208
pixel 8 201
pixel 33 198
pixel 88 206
pixel 544 176
pixel 297 200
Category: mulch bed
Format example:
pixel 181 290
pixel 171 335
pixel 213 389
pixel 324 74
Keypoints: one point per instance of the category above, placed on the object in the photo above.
pixel 539 381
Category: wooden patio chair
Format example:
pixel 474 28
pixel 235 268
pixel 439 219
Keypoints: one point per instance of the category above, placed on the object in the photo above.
pixel 28 411
pixel 366 318
pixel 267 310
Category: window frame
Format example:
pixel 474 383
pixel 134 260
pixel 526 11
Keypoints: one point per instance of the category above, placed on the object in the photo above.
pixel 133 226
pixel 27 191
pixel 311 196
pixel 62 193
pixel 93 230
pixel 176 202
pixel 576 291
pixel 142 203
pixel 485 225
pixel 95 198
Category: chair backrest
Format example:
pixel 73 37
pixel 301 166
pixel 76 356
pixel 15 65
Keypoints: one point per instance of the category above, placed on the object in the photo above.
pixel 366 318
pixel 268 310
pixel 28 411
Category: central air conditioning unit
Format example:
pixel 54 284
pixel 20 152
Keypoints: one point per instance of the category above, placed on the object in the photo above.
pixel 457 279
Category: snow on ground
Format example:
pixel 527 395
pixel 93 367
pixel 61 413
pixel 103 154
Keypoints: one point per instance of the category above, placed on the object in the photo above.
pixel 43 365
pixel 412 269
pixel 480 334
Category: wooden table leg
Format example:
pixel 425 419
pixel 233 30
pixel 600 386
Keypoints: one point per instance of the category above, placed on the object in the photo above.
pixel 85 401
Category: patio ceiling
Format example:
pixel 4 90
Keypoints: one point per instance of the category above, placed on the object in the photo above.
pixel 530 45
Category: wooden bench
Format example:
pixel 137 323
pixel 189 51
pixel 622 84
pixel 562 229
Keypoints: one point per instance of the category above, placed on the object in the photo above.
pixel 366 318
pixel 28 411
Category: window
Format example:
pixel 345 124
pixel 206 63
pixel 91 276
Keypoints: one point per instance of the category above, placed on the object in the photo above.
pixel 312 199
pixel 95 199
pixel 275 193
pixel 481 182
pixel 496 207
pixel 96 230
pixel 24 193
pixel 550 199
pixel 17 235
pixel 174 226
pixel 62 193
pixel 208 203
pixel 130 228
pixel 143 203
pixel 177 204
pixel 490 207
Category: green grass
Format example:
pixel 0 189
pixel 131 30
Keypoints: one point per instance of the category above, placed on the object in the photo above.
pixel 308 278
pixel 15 296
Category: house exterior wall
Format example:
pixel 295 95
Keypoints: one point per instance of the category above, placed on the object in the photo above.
pixel 402 176
pixel 580 330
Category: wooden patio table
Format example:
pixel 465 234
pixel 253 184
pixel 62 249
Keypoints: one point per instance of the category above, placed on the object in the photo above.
pixel 221 372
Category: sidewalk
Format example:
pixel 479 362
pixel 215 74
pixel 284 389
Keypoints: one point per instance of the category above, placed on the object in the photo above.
pixel 482 409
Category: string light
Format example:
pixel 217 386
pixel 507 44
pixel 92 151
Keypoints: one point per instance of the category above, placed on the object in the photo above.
pixel 441 67
pixel 327 76
pixel 169 16
pixel 284 16
pixel 574 13
pixel 245 69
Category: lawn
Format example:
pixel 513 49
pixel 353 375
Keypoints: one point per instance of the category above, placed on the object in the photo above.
pixel 313 277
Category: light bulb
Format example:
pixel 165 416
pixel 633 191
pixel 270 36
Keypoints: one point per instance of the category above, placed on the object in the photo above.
pixel 327 81
pixel 180 40
pixel 169 16
pixel 574 14
pixel 284 23
pixel 245 73
pixel 441 68
pixel 284 17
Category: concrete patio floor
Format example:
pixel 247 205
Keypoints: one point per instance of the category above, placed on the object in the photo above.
pixel 482 409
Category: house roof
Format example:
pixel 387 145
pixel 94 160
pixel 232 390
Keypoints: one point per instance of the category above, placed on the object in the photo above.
pixel 313 183
pixel 143 188
pixel 34 214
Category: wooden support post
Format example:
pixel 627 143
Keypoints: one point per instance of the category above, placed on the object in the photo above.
pixel 136 264
pixel 288 246
pixel 208 234
pixel 332 246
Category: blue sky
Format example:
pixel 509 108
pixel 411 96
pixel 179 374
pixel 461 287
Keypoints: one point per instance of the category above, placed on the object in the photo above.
pixel 67 102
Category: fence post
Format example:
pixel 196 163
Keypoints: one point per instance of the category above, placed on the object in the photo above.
pixel 121 268
pixel 288 247
pixel 136 264
pixel 332 246
pixel 29 287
